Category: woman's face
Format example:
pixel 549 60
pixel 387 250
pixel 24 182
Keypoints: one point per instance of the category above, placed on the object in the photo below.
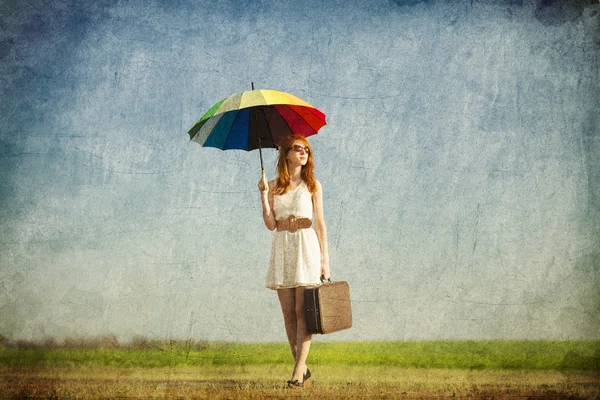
pixel 298 153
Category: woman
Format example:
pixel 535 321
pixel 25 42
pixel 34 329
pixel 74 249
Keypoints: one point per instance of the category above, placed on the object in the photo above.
pixel 299 255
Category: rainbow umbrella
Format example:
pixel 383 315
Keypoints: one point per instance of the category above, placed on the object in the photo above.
pixel 256 119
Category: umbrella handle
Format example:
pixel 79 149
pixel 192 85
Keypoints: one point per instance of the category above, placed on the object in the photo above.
pixel 264 180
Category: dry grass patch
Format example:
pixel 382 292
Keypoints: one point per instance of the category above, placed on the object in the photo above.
pixel 268 382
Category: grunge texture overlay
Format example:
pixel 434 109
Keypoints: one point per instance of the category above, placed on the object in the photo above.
pixel 460 166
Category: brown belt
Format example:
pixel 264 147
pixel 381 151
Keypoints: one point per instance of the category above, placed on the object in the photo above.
pixel 292 224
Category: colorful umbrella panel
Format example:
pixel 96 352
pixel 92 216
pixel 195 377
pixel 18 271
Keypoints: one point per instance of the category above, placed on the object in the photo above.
pixel 239 120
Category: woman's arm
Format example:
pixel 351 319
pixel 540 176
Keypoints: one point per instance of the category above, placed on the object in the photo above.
pixel 267 205
pixel 321 230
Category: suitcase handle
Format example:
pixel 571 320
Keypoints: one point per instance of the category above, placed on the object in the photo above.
pixel 323 280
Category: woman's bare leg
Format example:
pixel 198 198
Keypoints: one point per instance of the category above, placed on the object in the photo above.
pixel 287 299
pixel 303 339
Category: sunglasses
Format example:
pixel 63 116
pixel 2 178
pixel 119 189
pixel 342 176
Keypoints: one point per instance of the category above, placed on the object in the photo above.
pixel 299 148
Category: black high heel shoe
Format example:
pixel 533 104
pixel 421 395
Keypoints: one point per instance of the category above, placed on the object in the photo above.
pixel 306 378
pixel 297 384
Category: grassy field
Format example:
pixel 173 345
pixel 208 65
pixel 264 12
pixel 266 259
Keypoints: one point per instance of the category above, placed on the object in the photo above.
pixel 459 369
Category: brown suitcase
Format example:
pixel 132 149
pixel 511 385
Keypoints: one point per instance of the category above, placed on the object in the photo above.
pixel 328 307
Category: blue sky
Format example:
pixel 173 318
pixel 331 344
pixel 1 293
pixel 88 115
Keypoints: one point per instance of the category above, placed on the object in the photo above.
pixel 459 165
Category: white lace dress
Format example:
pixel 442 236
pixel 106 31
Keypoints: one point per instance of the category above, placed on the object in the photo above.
pixel 295 256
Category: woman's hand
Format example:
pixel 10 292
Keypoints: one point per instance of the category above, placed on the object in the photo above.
pixel 262 187
pixel 325 273
pixel 267 203
pixel 321 230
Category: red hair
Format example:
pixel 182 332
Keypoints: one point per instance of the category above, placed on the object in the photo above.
pixel 283 174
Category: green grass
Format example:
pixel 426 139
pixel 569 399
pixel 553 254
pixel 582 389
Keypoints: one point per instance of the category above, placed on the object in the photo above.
pixel 473 355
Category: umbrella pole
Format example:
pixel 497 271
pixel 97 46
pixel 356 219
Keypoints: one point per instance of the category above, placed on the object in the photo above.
pixel 262 168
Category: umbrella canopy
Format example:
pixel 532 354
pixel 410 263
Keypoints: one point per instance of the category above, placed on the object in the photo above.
pixel 255 119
